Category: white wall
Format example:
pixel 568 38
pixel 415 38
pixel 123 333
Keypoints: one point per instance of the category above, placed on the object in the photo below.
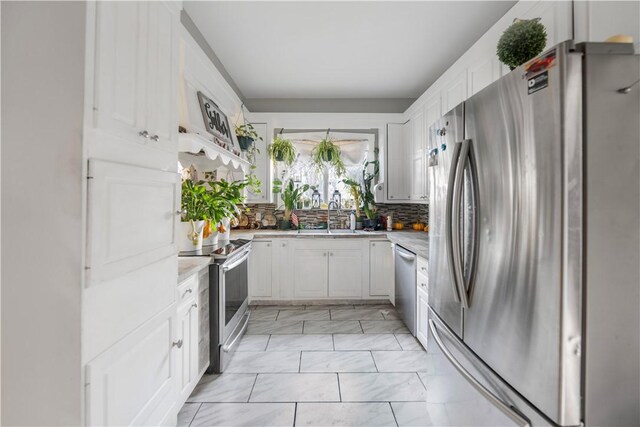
pixel 42 109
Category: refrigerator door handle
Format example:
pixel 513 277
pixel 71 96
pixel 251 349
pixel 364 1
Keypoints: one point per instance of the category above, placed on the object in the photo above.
pixel 457 198
pixel 450 223
pixel 497 402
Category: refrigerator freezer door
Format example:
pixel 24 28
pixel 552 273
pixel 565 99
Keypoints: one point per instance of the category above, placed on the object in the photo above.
pixel 520 321
pixel 443 138
pixel 471 394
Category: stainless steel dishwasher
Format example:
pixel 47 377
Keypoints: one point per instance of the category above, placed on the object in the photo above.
pixel 406 291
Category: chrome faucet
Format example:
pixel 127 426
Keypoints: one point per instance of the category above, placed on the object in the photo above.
pixel 334 203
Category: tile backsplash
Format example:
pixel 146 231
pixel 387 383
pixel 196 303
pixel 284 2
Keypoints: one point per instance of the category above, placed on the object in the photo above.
pixel 405 213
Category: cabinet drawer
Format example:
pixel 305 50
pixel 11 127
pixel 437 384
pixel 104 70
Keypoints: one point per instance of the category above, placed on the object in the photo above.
pixel 188 290
pixel 423 266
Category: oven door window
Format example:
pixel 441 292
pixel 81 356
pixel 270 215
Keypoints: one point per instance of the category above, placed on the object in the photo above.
pixel 236 290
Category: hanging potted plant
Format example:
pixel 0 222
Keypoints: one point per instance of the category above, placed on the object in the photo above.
pixel 282 150
pixel 247 135
pixel 195 212
pixel 523 40
pixel 328 153
pixel 290 198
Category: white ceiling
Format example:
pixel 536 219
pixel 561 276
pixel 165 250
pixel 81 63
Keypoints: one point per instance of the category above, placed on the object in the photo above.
pixel 309 50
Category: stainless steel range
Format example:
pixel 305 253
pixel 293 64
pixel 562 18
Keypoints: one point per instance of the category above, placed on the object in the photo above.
pixel 228 293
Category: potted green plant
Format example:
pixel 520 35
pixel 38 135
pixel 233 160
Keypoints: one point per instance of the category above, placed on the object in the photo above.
pixel 246 135
pixel 224 201
pixel 523 40
pixel 282 150
pixel 195 212
pixel 290 197
pixel 328 153
pixel 356 192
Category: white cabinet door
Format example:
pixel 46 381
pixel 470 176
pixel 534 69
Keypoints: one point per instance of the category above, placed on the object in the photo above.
pixel 132 218
pixel 260 268
pixel 456 91
pixel 187 349
pixel 310 273
pixel 381 277
pixel 398 164
pixel 433 109
pixel 345 273
pixel 121 68
pixel 262 170
pixel 133 382
pixel 483 73
pixel 418 158
pixel 162 82
pixel 422 316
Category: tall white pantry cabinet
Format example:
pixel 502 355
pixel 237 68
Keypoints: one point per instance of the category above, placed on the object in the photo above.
pixel 129 319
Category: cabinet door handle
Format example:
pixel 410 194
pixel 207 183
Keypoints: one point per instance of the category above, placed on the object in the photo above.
pixel 268 245
pixel 284 244
pixel 324 254
pixel 177 344
pixel 331 253
pixel 424 285
pixel 373 244
pixel 155 138
pixel 423 269
pixel 180 212
pixel 195 305
pixel 144 134
pixel 188 291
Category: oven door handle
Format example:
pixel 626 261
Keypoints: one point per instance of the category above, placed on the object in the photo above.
pixel 242 258
pixel 242 327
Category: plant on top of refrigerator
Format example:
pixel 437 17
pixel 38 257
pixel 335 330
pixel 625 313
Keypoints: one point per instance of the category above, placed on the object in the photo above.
pixel 523 40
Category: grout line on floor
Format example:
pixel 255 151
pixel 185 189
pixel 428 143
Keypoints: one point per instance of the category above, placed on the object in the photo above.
pixel 269 340
pixel 333 340
pixel 194 415
pixel 277 315
pixel 300 362
pixel 394 414
pixel 361 328
pixel 339 391
pixel 303 326
pixel 374 360
pixel 421 382
pixel 295 413
pixel 255 380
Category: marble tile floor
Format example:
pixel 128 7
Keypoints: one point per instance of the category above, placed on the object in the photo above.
pixel 322 366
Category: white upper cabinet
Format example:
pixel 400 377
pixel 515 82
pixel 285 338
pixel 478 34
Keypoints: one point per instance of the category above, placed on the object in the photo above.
pixel 418 158
pixel 455 91
pixel 135 81
pixel 398 164
pixel 483 74
pixel 162 86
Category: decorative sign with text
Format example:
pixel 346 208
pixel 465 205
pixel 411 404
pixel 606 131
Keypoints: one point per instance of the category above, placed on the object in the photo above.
pixel 216 122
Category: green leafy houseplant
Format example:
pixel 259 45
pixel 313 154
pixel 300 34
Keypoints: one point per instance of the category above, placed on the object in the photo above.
pixel 246 135
pixel 290 197
pixel 328 153
pixel 356 192
pixel 523 40
pixel 282 150
pixel 255 183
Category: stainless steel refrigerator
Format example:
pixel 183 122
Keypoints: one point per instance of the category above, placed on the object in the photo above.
pixel 534 290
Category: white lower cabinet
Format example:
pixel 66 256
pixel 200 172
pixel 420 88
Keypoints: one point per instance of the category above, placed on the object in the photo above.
pixel 381 277
pixel 187 348
pixel 260 268
pixel 345 273
pixel 133 382
pixel 310 273
pixel 422 301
